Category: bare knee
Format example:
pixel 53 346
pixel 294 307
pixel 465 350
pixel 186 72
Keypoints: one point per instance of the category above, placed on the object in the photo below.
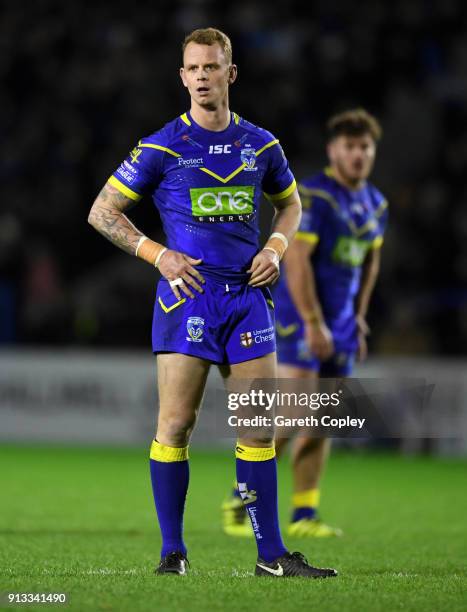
pixel 304 446
pixel 175 429
pixel 257 442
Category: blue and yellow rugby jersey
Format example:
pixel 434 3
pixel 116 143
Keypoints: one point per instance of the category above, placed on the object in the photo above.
pixel 345 225
pixel 207 187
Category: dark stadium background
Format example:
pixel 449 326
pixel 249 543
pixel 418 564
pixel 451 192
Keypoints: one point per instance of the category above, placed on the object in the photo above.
pixel 83 82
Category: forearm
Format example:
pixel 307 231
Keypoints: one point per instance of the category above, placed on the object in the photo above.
pixel 287 219
pixel 369 277
pixel 302 287
pixel 107 218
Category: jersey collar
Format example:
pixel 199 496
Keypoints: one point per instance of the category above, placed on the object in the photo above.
pixel 188 119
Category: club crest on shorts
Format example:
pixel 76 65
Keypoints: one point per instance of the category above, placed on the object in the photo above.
pixel 195 329
pixel 248 157
pixel 246 339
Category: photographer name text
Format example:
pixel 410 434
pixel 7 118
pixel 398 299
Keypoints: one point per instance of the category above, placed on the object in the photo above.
pixel 308 421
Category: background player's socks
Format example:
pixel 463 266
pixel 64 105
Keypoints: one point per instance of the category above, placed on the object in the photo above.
pixel 305 522
pixel 169 477
pixel 257 485
pixel 305 505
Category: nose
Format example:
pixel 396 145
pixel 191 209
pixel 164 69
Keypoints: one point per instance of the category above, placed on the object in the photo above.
pixel 202 75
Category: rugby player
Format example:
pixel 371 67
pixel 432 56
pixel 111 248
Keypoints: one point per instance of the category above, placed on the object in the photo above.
pixel 205 171
pixel 322 298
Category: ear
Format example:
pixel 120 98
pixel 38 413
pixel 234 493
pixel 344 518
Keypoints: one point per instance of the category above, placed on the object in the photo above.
pixel 330 151
pixel 233 71
pixel 182 76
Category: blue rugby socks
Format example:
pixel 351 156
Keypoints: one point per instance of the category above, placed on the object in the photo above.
pixel 169 477
pixel 257 485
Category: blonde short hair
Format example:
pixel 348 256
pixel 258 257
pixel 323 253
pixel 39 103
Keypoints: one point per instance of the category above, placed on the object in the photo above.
pixel 210 36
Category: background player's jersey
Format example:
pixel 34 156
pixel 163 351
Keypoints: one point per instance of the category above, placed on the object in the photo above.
pixel 345 225
pixel 207 187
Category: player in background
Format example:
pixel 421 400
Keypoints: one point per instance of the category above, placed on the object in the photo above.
pixel 322 300
pixel 205 171
pixel 322 297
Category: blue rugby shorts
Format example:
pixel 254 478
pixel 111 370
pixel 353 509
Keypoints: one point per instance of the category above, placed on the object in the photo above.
pixel 292 349
pixel 228 323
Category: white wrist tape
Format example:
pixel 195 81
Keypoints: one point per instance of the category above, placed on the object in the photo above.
pixel 281 237
pixel 140 242
pixel 158 258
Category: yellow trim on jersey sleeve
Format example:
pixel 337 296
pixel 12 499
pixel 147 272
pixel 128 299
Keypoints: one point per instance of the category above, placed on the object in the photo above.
pixel 283 194
pixel 185 119
pixel 309 237
pixel 377 242
pixel 266 146
pixel 124 189
pixel 159 148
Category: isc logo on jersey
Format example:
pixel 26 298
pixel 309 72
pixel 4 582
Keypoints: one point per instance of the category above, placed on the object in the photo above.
pixel 223 204
pixel 218 149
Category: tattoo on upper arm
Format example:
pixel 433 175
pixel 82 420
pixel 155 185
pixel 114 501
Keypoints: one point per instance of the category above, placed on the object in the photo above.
pixel 107 218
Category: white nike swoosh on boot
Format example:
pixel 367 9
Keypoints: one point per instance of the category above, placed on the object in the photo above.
pixel 276 572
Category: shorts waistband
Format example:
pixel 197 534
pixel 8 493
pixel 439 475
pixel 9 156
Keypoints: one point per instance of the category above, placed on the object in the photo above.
pixel 223 276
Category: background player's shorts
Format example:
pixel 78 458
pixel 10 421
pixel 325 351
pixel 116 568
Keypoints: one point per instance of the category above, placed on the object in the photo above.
pixel 292 350
pixel 225 324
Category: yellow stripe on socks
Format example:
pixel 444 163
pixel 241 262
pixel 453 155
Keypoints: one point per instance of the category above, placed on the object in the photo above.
pixel 249 453
pixel 306 499
pixel 167 454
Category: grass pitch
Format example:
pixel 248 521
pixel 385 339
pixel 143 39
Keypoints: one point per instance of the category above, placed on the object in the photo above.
pixel 81 521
